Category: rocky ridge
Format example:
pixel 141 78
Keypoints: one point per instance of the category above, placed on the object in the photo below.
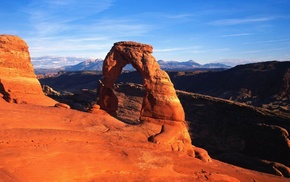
pixel 264 84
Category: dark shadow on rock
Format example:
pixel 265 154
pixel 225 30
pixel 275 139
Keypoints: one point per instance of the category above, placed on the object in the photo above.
pixel 252 163
pixel 6 95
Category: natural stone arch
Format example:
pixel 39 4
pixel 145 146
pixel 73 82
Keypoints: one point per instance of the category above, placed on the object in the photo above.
pixel 160 105
pixel 160 99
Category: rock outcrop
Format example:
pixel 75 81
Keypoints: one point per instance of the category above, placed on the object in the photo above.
pixel 18 82
pixel 160 105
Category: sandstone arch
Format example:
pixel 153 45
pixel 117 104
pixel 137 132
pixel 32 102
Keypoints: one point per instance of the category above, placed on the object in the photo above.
pixel 160 106
pixel 160 100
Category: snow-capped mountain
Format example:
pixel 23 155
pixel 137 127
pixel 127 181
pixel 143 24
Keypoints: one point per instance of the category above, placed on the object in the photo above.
pixel 189 65
pixel 80 64
pixel 215 65
pixel 89 64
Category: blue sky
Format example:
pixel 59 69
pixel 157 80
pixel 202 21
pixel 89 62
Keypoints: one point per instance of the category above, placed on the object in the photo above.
pixel 200 30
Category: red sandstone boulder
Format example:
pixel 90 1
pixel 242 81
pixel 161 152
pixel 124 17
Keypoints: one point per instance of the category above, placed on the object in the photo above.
pixel 18 82
pixel 62 105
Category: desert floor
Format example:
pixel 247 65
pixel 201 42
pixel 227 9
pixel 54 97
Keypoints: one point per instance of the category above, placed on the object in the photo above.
pixel 39 143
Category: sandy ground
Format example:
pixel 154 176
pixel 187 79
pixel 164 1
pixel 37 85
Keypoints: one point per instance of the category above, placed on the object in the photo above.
pixel 39 143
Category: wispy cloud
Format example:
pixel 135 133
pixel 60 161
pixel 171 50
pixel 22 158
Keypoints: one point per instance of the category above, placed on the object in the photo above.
pixel 180 16
pixel 120 27
pixel 90 27
pixel 66 26
pixel 63 46
pixel 221 49
pixel 49 17
pixel 267 41
pixel 95 37
pixel 236 35
pixel 170 49
pixel 54 17
pixel 250 51
pixel 262 50
pixel 240 21
pixel 191 48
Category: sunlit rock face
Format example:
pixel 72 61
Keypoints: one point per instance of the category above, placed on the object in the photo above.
pixel 160 100
pixel 18 82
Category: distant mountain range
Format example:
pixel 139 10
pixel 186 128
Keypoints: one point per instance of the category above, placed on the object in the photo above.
pixel 165 65
pixel 189 65
pixel 82 64
pixel 90 64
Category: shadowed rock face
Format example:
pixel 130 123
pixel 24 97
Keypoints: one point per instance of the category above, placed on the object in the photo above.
pixel 262 84
pixel 160 100
pixel 18 83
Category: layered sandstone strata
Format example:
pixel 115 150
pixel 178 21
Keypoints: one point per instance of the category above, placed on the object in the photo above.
pixel 18 82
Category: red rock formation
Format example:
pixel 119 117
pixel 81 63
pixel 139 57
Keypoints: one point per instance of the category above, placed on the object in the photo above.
pixel 160 100
pixel 18 81
pixel 160 106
